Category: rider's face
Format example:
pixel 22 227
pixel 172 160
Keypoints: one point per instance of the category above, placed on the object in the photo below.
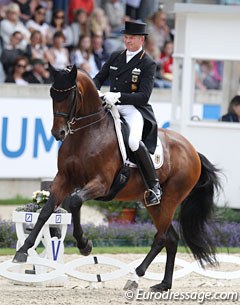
pixel 133 42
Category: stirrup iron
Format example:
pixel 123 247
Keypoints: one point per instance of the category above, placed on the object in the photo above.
pixel 146 196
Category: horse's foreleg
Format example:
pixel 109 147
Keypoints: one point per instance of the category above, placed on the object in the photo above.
pixel 91 190
pixel 171 248
pixel 84 245
pixel 47 210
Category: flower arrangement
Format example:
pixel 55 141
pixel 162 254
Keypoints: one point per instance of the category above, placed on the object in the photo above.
pixel 39 198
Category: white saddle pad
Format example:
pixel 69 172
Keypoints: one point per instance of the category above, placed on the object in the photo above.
pixel 157 157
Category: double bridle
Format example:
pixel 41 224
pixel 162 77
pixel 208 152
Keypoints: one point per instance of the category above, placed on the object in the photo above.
pixel 72 117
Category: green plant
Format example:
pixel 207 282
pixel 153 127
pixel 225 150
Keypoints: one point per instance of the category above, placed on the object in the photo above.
pixel 227 214
pixel 18 200
pixel 112 209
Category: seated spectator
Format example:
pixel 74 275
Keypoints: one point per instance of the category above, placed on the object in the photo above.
pixel 157 27
pixel 48 5
pixel 37 23
pixel 11 52
pixel 83 58
pixel 98 50
pixel 16 76
pixel 39 74
pixel 150 46
pixel 74 5
pixel 79 25
pixel 205 77
pixel 166 64
pixel 115 11
pixel 12 24
pixel 233 114
pixel 25 8
pixel 36 48
pixel 58 24
pixel 58 55
pixel 98 22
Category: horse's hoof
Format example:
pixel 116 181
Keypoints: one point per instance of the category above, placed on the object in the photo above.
pixel 20 257
pixel 130 285
pixel 160 287
pixel 88 249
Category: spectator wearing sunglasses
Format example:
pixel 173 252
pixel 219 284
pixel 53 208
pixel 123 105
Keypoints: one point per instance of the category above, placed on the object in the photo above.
pixel 38 23
pixel 19 69
pixel 39 74
pixel 58 24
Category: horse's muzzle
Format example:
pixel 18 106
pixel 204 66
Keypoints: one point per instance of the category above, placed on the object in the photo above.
pixel 60 134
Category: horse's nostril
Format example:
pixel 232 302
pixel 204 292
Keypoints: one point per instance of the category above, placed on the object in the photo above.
pixel 62 133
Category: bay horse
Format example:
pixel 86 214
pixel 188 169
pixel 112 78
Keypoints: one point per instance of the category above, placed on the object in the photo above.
pixel 89 160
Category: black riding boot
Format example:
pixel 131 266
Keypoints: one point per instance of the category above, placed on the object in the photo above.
pixel 148 173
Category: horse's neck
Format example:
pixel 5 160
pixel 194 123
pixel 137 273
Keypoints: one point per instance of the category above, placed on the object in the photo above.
pixel 90 101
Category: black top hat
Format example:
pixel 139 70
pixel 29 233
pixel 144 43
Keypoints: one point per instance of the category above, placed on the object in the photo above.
pixel 135 28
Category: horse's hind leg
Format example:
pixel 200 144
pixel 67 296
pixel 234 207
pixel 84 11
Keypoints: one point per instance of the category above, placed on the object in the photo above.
pixel 156 248
pixel 168 240
pixel 171 248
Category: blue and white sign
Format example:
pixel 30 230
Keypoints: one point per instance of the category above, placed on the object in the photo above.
pixel 28 150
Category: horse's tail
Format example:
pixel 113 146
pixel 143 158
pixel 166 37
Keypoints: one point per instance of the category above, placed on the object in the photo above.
pixel 196 211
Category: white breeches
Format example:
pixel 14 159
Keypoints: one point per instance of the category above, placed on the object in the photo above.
pixel 135 121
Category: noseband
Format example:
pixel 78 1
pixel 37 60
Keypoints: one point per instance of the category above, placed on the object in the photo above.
pixel 71 116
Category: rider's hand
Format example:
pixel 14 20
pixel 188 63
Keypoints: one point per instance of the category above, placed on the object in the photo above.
pixel 112 97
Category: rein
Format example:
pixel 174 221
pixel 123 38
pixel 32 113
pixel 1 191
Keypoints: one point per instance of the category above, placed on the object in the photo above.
pixel 77 119
pixel 72 118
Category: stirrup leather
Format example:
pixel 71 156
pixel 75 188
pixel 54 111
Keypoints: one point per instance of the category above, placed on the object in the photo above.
pixel 146 195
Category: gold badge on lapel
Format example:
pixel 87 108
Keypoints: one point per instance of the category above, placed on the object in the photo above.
pixel 134 78
pixel 135 74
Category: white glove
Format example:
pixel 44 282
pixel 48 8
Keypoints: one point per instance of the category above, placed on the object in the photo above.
pixel 100 94
pixel 112 98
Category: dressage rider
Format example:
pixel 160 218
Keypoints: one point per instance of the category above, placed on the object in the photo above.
pixel 131 74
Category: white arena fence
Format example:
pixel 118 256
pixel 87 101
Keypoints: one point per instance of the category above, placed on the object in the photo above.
pixel 49 268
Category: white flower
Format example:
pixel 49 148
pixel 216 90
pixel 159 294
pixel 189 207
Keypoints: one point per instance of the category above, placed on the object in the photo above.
pixel 46 193
pixel 40 196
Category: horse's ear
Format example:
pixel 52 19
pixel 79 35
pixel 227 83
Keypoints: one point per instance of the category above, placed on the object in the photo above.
pixel 73 73
pixel 52 70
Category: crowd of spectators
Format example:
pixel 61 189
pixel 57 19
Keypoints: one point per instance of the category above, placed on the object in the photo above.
pixel 34 33
pixel 85 33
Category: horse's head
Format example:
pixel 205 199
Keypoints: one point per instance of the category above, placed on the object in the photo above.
pixel 64 95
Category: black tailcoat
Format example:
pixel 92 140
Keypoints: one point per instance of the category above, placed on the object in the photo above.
pixel 135 82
